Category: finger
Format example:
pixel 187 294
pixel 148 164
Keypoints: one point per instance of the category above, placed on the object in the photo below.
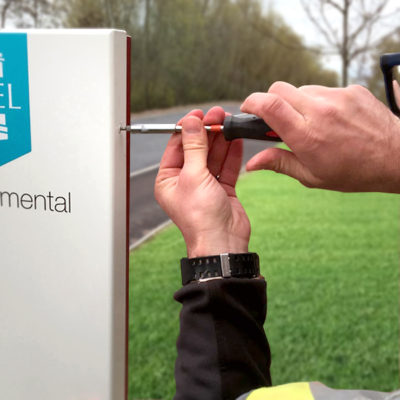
pixel 283 162
pixel 195 144
pixel 231 168
pixel 217 154
pixel 314 89
pixel 295 97
pixel 319 91
pixel 285 120
pixel 173 154
pixel 214 116
pixel 196 113
pixel 218 146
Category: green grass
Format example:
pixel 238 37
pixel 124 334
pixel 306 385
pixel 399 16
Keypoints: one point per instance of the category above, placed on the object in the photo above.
pixel 331 262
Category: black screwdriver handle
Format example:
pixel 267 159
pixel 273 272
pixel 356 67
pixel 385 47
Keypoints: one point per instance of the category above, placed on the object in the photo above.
pixel 248 126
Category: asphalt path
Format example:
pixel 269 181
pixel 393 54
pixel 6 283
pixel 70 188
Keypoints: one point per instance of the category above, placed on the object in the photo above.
pixel 146 216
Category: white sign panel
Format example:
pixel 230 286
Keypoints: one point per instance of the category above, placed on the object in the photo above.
pixel 63 169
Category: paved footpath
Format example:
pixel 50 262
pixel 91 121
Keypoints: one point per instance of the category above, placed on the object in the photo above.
pixel 146 216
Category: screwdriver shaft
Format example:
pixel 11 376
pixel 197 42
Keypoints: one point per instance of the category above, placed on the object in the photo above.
pixel 165 128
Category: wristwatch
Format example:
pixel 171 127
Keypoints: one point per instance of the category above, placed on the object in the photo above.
pixel 226 265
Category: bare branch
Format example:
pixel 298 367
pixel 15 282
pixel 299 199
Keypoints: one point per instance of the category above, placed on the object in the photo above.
pixel 325 32
pixel 387 35
pixel 4 10
pixel 205 6
pixel 334 4
pixel 359 51
pixel 362 15
pixel 362 62
pixel 368 19
pixel 269 31
pixel 390 15
pixel 333 32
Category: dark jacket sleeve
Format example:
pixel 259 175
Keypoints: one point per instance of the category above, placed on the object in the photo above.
pixel 222 348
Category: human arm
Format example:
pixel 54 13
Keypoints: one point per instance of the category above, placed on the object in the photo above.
pixel 222 348
pixel 340 139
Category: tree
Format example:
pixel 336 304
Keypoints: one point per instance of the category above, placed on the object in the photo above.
pixel 4 10
pixel 85 14
pixel 202 50
pixel 357 34
pixel 29 13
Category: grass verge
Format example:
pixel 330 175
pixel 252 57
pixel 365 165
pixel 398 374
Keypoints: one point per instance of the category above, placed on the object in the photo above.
pixel 331 263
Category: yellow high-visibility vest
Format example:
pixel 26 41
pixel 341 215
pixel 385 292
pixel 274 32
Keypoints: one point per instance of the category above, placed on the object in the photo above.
pixel 315 391
pixel 292 391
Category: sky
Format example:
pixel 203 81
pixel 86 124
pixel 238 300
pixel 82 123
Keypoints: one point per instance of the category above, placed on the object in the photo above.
pixel 293 13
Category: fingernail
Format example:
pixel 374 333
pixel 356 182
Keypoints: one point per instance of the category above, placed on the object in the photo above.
pixel 192 125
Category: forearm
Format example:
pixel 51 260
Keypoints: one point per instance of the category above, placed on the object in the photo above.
pixel 222 348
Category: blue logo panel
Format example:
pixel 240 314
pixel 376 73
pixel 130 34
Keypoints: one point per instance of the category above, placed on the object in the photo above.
pixel 15 125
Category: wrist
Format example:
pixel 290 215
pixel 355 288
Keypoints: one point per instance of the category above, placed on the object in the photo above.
pixel 210 245
pixel 212 267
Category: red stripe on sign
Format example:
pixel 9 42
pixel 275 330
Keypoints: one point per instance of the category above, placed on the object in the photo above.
pixel 128 190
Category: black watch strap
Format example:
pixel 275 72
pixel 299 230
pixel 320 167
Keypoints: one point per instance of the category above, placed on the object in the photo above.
pixel 227 265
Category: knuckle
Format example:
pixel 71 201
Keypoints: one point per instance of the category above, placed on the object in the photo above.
pixel 276 87
pixel 195 146
pixel 274 104
pixel 158 193
pixel 355 88
pixel 307 184
pixel 354 98
pixel 307 88
pixel 279 165
pixel 327 110
pixel 157 187
pixel 312 137
pixel 312 181
pixel 354 92
pixel 252 99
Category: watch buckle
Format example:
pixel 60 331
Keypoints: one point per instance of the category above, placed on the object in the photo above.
pixel 225 265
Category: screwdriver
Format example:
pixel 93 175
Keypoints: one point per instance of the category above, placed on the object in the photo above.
pixel 237 126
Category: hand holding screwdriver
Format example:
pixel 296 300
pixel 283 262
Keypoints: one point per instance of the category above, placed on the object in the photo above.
pixel 339 138
pixel 195 186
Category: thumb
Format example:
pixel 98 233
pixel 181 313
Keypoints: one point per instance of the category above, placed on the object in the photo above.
pixel 283 162
pixel 195 143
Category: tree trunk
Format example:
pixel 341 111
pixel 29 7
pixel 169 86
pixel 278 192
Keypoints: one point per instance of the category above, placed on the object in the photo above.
pixel 110 15
pixel 146 52
pixel 4 12
pixel 35 14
